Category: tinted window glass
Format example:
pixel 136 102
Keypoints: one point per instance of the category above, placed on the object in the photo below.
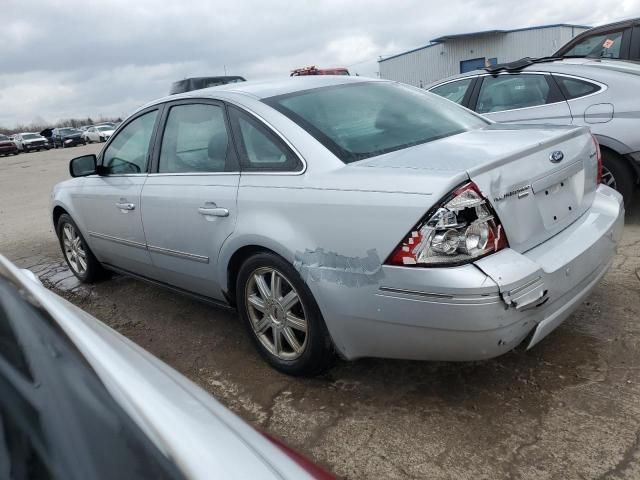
pixel 574 88
pixel 605 45
pixel 130 148
pixel 357 121
pixel 506 92
pixel 10 349
pixel 454 91
pixel 260 149
pixel 195 140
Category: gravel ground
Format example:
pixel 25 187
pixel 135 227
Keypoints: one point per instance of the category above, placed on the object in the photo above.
pixel 569 408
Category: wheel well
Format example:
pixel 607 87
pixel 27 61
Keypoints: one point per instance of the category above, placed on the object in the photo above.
pixel 57 212
pixel 233 268
pixel 633 166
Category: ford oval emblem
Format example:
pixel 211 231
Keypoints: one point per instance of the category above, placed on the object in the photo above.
pixel 556 157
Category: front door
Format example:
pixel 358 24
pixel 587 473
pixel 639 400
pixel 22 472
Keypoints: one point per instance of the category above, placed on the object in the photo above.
pixel 110 203
pixel 189 202
pixel 522 98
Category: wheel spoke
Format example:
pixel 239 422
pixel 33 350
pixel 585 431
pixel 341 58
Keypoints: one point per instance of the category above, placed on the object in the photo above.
pixel 256 302
pixel 277 341
pixel 81 253
pixel 296 322
pixel 68 232
pixel 262 286
pixel 291 339
pixel 81 262
pixel 262 325
pixel 66 243
pixel 276 285
pixel 289 300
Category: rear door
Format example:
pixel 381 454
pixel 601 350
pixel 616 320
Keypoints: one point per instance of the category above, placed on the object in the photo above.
pixel 521 98
pixel 189 201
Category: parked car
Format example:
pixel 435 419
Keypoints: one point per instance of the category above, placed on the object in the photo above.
pixel 198 83
pixel 359 216
pixel 74 389
pixel 313 70
pixel 600 94
pixel 67 137
pixel 28 142
pixel 619 40
pixel 7 146
pixel 99 133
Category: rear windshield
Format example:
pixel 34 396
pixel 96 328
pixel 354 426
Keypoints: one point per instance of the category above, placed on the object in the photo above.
pixel 362 120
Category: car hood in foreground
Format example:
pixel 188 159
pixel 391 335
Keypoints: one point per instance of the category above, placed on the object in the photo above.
pixel 190 427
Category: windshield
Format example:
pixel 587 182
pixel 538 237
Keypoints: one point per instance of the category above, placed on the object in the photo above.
pixel 606 45
pixel 68 131
pixel 104 128
pixel 357 121
pixel 30 136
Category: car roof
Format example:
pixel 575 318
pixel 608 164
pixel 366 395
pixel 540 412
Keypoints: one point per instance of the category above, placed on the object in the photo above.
pixel 570 66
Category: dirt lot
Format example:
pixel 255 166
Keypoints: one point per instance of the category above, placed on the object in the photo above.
pixel 570 408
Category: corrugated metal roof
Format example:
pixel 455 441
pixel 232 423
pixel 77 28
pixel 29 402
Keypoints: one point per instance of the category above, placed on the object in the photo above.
pixel 459 36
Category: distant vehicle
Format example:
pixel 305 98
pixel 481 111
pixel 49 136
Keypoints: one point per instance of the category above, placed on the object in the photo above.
pixel 67 137
pixel 7 146
pixel 99 133
pixel 73 389
pixel 198 83
pixel 313 70
pixel 599 93
pixel 619 40
pixel 28 142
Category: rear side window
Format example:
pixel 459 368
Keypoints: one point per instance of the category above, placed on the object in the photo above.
pixel 454 91
pixel 604 45
pixel 574 88
pixel 195 140
pixel 261 150
pixel 508 92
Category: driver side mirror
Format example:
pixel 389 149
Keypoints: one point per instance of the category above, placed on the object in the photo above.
pixel 83 166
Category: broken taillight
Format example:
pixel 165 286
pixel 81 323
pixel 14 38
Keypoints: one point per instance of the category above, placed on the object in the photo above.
pixel 599 156
pixel 461 229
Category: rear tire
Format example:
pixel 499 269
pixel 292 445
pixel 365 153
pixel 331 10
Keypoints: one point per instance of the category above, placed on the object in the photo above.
pixel 282 317
pixel 81 261
pixel 617 174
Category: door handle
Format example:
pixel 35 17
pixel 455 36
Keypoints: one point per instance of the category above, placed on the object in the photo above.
pixel 126 206
pixel 213 211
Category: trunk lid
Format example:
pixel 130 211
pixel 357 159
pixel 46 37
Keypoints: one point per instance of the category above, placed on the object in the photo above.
pixel 535 191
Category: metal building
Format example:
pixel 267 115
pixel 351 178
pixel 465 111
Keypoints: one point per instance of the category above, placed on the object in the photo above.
pixel 453 54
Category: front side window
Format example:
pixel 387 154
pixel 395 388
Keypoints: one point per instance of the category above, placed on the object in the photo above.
pixel 454 91
pixel 260 149
pixel 508 92
pixel 575 88
pixel 195 140
pixel 362 120
pixel 604 45
pixel 129 150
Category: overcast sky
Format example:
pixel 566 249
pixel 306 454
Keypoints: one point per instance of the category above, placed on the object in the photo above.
pixel 73 58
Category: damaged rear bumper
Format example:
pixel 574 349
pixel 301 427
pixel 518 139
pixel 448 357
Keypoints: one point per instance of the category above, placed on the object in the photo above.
pixel 480 310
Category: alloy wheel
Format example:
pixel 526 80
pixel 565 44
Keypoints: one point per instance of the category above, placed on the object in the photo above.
pixel 73 249
pixel 277 313
pixel 608 179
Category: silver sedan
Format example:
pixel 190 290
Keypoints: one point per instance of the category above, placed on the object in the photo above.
pixel 349 216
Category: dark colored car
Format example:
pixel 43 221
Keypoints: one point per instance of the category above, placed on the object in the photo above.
pixel 197 83
pixel 67 137
pixel 7 146
pixel 619 40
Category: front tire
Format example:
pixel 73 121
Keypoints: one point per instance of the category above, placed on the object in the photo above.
pixel 282 317
pixel 617 174
pixel 81 261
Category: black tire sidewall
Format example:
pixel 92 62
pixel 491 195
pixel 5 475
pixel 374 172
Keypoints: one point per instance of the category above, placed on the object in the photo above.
pixel 318 354
pixel 622 174
pixel 94 269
